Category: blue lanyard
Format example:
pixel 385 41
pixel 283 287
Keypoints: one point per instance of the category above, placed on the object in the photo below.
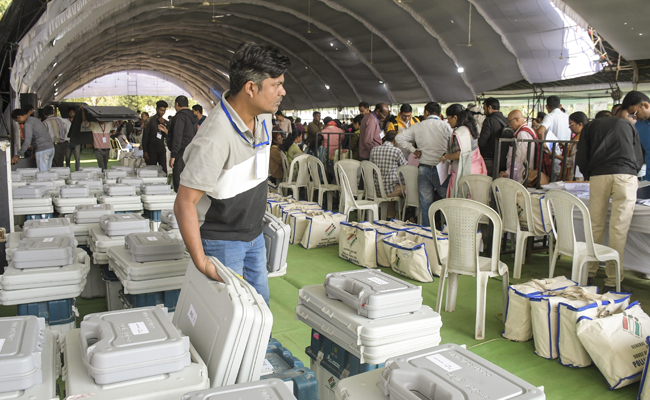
pixel 378 123
pixel 433 116
pixel 234 125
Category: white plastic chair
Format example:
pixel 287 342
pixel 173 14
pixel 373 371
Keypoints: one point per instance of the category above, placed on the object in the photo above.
pixel 319 182
pixel 462 217
pixel 285 166
pixel 351 169
pixel 348 202
pixel 302 180
pixel 506 191
pixel 408 179
pixel 562 204
pixel 475 186
pixel 372 179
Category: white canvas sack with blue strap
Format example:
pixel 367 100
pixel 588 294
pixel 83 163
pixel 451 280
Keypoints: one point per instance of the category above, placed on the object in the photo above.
pixel 297 221
pixel 409 258
pixel 284 209
pixel 644 389
pixel 617 344
pixel 519 327
pixel 358 243
pixel 386 229
pixel 421 235
pixel 541 217
pixel 543 313
pixel 570 351
pixel 322 230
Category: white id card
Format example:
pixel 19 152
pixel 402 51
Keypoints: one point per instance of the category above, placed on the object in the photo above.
pixel 381 134
pixel 103 140
pixel 261 164
pixel 159 135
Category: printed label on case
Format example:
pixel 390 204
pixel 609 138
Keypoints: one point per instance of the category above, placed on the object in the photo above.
pixel 444 363
pixel 2 343
pixel 138 328
pixel 126 217
pixel 267 368
pixel 48 240
pixel 378 281
pixel 192 315
pixel 152 238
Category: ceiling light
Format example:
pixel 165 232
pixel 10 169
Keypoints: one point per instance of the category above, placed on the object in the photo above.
pixel 381 81
pixel 55 83
pixel 625 23
pixel 54 65
pixel 230 51
pixel 327 87
pixel 53 42
pixel 59 75
pixel 349 42
pixel 640 34
pixel 331 44
pixel 452 21
pixel 461 70
pixel 306 67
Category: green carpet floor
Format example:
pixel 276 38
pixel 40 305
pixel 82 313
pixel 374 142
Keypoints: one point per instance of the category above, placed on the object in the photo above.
pixel 309 267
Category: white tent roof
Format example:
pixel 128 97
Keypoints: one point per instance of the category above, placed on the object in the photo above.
pixel 342 52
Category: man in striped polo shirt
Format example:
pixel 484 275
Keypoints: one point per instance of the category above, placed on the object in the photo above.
pixel 222 195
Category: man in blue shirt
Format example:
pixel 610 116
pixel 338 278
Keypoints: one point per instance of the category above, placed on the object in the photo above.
pixel 643 126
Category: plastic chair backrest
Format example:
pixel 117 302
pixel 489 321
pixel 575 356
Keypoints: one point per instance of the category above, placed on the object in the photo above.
pixel 347 196
pixel 372 180
pixel 462 217
pixel 301 162
pixel 563 204
pixel 505 192
pixel 285 166
pixel 408 178
pixel 317 172
pixel 351 168
pixel 477 187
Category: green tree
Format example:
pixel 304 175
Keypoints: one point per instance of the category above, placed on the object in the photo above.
pixel 3 7
pixel 135 103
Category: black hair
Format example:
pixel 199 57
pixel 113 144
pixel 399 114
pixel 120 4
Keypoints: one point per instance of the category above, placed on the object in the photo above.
pixel 28 108
pixel 464 118
pixel 579 118
pixel 634 98
pixel 326 120
pixel 390 136
pixel 358 119
pixel 18 112
pixel 390 118
pixel 279 113
pixel 433 108
pixel 540 116
pixel 492 102
pixel 314 113
pixel 363 104
pixel 254 62
pixel 338 123
pixel 161 103
pixel 553 102
pixel 197 107
pixel 182 101
pixel 48 110
pixel 602 114
pixel 379 106
pixel 298 120
pixel 406 108
pixel 142 113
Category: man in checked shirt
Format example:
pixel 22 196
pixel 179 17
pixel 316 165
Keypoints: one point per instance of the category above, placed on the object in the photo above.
pixel 388 157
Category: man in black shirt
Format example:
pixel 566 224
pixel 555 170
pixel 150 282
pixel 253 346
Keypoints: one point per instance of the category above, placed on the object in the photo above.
pixel 153 139
pixel 181 132
pixel 494 123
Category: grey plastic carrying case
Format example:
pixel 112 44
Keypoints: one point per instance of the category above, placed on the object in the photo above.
pixel 155 188
pixel 38 228
pixel 27 172
pixel 40 175
pixel 16 176
pixel 451 372
pixel 77 175
pixel 276 238
pixel 29 192
pixel 92 184
pixel 123 224
pixel 44 252
pixel 119 260
pixel 374 294
pixel 46 183
pixel 115 173
pixel 22 340
pixel 269 389
pixel 62 172
pixel 94 170
pixel 147 172
pixel 74 191
pixel 130 181
pixel 90 214
pixel 129 344
pixel 168 218
pixel 119 189
pixel 154 246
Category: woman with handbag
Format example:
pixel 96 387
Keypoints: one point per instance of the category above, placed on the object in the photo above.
pixel 464 154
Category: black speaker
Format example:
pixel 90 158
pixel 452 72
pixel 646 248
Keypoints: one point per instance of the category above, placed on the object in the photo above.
pixel 31 100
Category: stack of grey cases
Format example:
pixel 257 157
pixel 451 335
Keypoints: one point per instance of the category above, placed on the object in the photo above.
pixel 27 359
pixel 32 199
pixel 85 217
pixel 121 196
pixel 131 354
pixel 267 389
pixel 447 372
pixel 377 317
pixel 168 223
pixel 133 181
pixel 149 262
pixel 62 172
pixel 94 185
pixel 17 179
pixel 228 323
pixel 71 196
pixel 45 265
pixel 157 196
pixel 111 231
pixel 151 174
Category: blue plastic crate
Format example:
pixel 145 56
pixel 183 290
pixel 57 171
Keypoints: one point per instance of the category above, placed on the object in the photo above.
pixel 107 274
pixel 335 358
pixel 38 216
pixel 153 215
pixel 127 212
pixel 86 249
pixel 289 368
pixel 55 312
pixel 168 298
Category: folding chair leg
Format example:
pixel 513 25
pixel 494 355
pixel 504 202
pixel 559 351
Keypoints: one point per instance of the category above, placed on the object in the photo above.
pixel 520 249
pixel 441 288
pixel 452 291
pixel 551 262
pixel 330 200
pixel 481 296
pixel 618 275
pixel 506 285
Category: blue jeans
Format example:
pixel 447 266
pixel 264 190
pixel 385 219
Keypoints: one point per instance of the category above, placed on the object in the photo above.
pixel 44 159
pixel 248 259
pixel 428 185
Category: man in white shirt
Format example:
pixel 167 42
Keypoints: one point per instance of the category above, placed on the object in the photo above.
pixel 432 139
pixel 557 123
pixel 283 122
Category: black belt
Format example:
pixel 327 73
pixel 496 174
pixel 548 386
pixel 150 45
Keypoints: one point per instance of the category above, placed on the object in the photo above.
pixel 428 166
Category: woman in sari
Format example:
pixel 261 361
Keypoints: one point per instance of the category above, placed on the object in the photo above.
pixel 464 155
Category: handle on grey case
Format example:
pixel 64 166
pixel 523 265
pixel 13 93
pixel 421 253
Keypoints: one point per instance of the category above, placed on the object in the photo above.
pixel 348 291
pixel 89 331
pixel 228 277
pixel 403 383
